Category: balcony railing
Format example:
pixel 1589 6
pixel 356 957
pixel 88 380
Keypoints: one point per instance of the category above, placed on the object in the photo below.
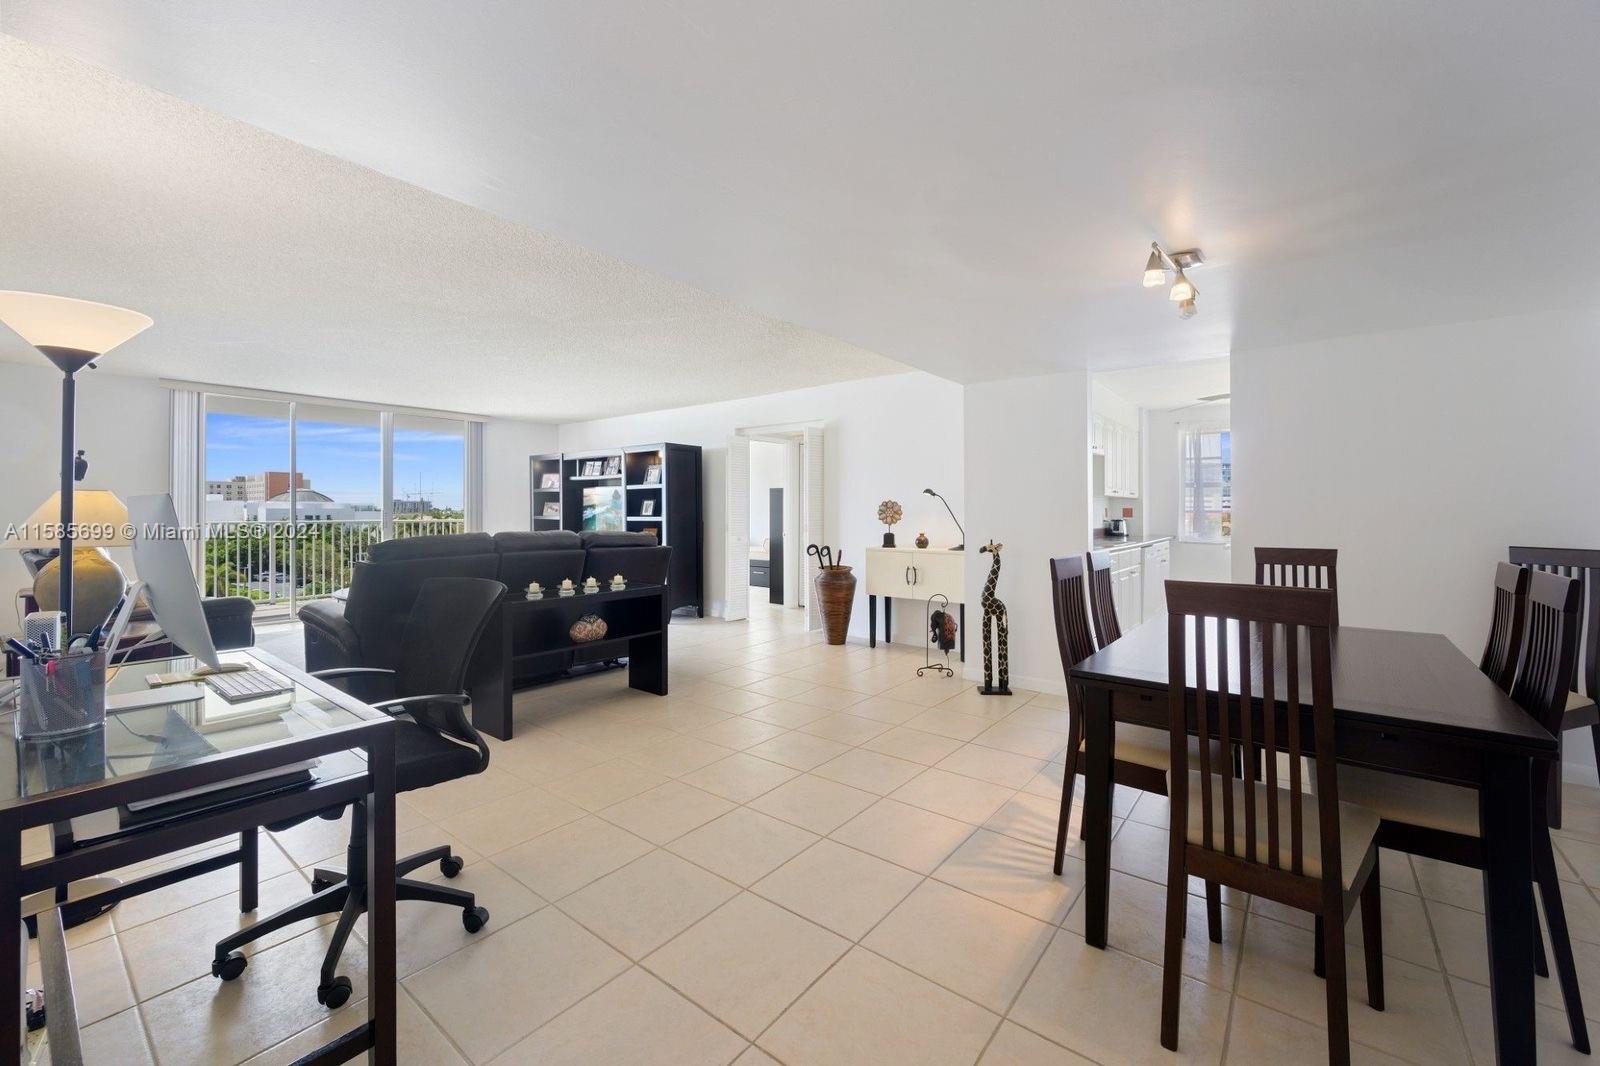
pixel 277 563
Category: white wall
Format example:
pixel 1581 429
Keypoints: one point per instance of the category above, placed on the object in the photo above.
pixel 766 473
pixel 1027 487
pixel 1190 561
pixel 885 437
pixel 124 423
pixel 507 444
pixel 1422 455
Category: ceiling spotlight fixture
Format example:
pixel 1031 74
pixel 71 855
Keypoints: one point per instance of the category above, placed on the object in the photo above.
pixel 1155 270
pixel 1183 292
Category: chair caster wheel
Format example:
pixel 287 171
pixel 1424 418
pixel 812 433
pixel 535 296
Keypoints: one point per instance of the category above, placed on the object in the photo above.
pixel 451 865
pixel 230 967
pixel 335 995
pixel 475 919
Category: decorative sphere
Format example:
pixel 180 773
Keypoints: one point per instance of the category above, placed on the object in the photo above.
pixel 97 584
pixel 589 628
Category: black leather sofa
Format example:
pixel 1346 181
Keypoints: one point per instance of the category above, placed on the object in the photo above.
pixel 364 629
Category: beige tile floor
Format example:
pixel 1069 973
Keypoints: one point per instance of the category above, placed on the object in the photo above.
pixel 804 855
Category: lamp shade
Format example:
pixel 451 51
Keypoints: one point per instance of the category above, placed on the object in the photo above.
pixel 99 520
pixel 46 321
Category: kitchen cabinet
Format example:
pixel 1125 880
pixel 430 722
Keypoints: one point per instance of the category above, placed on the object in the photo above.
pixel 1127 586
pixel 1121 450
pixel 1157 565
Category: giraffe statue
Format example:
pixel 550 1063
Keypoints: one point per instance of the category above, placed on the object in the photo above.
pixel 994 608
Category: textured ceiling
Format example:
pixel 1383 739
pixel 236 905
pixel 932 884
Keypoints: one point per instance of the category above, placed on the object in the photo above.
pixel 269 265
pixel 967 187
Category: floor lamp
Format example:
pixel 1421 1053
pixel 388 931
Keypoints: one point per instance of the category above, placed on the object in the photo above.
pixel 72 334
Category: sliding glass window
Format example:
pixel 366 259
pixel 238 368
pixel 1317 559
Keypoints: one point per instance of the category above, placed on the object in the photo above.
pixel 297 491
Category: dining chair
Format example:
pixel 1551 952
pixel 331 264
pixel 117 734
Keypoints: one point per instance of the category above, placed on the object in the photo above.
pixel 1584 565
pixel 1306 851
pixel 1141 756
pixel 1102 607
pixel 1500 651
pixel 1304 568
pixel 1440 821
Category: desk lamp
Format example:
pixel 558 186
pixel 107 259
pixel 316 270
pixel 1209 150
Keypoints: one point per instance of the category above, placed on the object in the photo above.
pixel 963 545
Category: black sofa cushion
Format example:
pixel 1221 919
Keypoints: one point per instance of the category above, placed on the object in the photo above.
pixel 548 557
pixel 638 564
pixel 430 547
pixel 544 540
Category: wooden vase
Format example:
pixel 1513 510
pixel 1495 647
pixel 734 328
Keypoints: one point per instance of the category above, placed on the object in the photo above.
pixel 836 594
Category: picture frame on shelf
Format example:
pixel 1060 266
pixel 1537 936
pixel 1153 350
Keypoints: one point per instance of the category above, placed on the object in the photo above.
pixel 550 481
pixel 647 508
pixel 613 466
pixel 552 509
pixel 591 468
pixel 652 474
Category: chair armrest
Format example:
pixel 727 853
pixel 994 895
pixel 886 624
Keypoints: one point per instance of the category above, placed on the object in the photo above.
pixel 231 620
pixel 346 671
pixel 330 638
pixel 460 727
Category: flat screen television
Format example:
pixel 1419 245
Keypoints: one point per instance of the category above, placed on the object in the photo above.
pixel 603 509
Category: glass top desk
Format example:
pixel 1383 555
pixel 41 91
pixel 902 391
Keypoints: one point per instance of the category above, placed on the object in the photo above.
pixel 146 784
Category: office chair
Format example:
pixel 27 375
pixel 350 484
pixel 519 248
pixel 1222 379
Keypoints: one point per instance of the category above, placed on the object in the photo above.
pixel 434 743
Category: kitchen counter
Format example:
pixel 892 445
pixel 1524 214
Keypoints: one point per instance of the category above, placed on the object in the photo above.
pixel 1105 542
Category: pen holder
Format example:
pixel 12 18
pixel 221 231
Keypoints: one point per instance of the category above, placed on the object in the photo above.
pixel 62 695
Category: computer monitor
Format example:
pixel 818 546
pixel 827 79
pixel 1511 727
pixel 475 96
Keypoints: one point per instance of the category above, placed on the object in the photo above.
pixel 168 577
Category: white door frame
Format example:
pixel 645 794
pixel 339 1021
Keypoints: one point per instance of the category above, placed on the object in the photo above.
pixel 808 474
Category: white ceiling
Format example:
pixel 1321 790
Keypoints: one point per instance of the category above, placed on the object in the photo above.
pixel 266 264
pixel 1168 385
pixel 968 188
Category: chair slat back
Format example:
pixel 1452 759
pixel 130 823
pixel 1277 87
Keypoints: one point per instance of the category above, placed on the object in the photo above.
pixel 1584 565
pixel 1505 626
pixel 1102 608
pixel 1549 648
pixel 1241 658
pixel 1069 598
pixel 1300 568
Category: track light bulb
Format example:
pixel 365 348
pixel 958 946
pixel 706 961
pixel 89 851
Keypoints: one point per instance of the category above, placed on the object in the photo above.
pixel 1155 269
pixel 1186 308
pixel 1182 288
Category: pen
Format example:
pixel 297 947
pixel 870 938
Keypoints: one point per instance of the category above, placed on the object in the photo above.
pixel 20 648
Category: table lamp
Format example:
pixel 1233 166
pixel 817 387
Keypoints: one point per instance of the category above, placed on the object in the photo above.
pixel 72 334
pixel 97 581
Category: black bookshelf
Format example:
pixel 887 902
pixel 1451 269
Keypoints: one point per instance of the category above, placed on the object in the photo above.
pixel 540 469
pixel 659 487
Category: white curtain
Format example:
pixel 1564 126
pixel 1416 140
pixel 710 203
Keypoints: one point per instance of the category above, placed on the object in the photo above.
pixel 473 504
pixel 188 473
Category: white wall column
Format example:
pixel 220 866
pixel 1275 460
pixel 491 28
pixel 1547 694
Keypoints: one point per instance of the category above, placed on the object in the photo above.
pixel 1027 486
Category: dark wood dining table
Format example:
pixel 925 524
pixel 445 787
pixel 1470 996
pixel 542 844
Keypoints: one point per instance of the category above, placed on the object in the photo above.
pixel 1409 702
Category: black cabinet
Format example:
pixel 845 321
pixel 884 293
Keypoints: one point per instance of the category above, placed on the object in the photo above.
pixel 642 488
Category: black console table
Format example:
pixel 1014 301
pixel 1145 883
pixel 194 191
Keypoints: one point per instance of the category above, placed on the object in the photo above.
pixel 526 632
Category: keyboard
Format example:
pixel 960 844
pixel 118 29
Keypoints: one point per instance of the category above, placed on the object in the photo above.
pixel 241 685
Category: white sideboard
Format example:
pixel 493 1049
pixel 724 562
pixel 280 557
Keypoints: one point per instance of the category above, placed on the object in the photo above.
pixel 914 574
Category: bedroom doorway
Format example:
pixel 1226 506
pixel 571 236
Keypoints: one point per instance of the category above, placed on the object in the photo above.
pixel 774 490
pixel 769 491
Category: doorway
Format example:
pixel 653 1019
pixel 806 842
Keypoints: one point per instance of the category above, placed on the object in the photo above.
pixel 774 503
pixel 768 491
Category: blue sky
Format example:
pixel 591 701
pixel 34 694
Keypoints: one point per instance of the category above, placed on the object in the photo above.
pixel 340 460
